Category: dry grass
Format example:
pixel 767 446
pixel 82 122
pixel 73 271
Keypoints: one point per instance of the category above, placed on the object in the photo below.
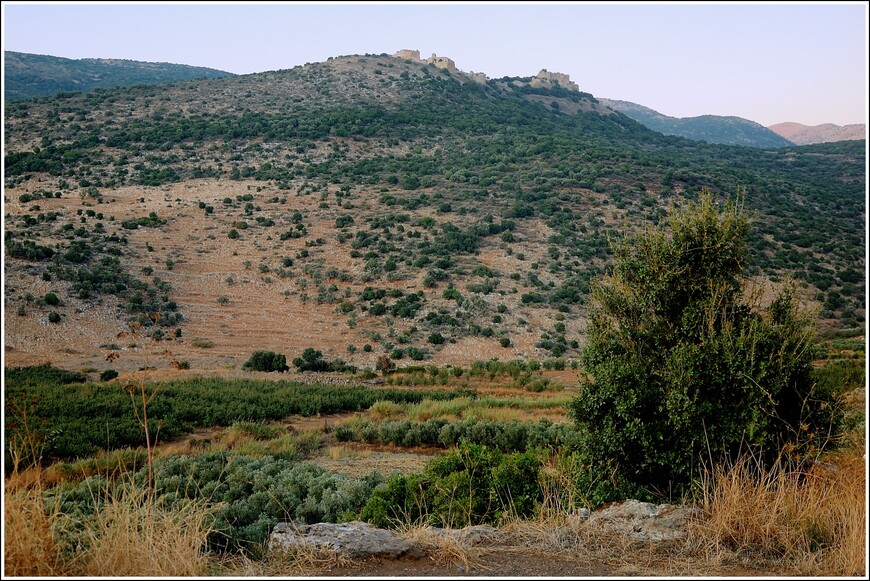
pixel 28 545
pixel 299 561
pixel 813 520
pixel 386 410
pixel 128 536
pixel 131 536
pixel 341 452
pixel 444 548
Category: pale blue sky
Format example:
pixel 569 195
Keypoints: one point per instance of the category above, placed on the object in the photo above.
pixel 768 63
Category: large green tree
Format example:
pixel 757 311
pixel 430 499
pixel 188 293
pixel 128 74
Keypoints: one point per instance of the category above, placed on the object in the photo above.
pixel 685 366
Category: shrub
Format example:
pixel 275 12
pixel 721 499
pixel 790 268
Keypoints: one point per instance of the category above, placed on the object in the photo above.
pixel 250 495
pixel 471 485
pixel 685 368
pixel 53 317
pixel 311 360
pixel 385 364
pixel 108 375
pixel 266 361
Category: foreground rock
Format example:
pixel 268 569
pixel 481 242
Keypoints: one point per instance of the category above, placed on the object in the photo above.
pixel 642 520
pixel 353 540
pixel 471 535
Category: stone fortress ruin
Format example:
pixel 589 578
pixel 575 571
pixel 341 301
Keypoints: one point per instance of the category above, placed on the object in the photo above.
pixel 546 80
pixel 543 79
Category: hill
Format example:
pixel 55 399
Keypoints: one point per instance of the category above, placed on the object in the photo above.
pixel 370 206
pixel 709 128
pixel 826 133
pixel 31 75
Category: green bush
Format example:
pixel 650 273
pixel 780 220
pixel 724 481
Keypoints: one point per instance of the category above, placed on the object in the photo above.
pixel 471 485
pixel 108 375
pixel 266 361
pixel 685 368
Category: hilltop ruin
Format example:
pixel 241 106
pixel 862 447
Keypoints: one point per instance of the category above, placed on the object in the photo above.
pixel 543 79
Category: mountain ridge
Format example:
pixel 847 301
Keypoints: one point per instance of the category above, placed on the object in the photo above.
pixel 726 130
pixel 29 75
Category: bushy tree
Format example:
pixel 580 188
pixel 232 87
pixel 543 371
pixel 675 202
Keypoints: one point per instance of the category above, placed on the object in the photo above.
pixel 687 367
pixel 311 360
pixel 266 361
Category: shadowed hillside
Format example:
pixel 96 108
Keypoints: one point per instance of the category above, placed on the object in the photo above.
pixel 31 75
pixel 709 128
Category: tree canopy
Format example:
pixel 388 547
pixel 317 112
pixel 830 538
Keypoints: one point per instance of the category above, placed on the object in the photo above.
pixel 688 367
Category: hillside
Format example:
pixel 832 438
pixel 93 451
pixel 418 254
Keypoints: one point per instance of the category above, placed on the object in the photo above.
pixel 31 75
pixel 801 134
pixel 369 206
pixel 709 128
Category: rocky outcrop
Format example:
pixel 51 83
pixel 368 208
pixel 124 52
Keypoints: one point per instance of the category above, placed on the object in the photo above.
pixel 471 535
pixel 642 520
pixel 353 540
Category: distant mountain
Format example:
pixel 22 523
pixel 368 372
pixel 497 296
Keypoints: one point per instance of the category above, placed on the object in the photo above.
pixel 30 75
pixel 801 134
pixel 709 128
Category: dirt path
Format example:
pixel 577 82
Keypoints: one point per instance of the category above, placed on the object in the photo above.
pixel 495 563
pixel 525 562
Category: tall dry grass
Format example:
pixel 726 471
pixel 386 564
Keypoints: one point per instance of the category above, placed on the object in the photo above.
pixel 445 548
pixel 303 561
pixel 812 520
pixel 29 549
pixel 128 536
pixel 132 536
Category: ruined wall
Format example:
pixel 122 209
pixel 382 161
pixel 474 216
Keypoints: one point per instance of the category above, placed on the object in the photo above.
pixel 408 54
pixel 547 79
pixel 442 62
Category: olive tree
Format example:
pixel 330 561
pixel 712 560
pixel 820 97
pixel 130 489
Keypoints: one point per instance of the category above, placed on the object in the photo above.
pixel 686 365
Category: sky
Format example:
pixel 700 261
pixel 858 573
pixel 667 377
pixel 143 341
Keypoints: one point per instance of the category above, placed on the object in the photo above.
pixel 770 63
